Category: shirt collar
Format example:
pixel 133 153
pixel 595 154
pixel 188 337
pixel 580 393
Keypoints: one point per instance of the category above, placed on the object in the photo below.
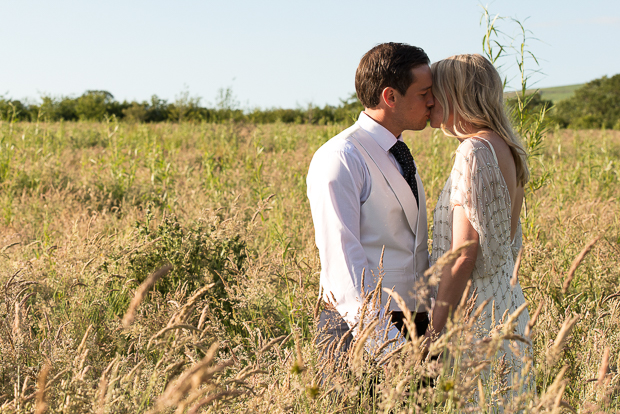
pixel 382 136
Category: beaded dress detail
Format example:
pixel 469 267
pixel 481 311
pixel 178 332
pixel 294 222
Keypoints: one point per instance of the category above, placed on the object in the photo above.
pixel 477 184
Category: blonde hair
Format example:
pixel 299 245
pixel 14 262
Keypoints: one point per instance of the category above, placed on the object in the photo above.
pixel 472 88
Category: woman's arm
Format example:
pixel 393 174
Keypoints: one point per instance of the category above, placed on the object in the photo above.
pixel 454 280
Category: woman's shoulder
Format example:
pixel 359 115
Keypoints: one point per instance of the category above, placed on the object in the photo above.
pixel 473 148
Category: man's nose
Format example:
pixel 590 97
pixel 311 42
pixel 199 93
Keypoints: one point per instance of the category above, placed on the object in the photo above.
pixel 431 101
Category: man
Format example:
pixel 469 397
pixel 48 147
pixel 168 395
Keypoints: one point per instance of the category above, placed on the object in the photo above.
pixel 366 196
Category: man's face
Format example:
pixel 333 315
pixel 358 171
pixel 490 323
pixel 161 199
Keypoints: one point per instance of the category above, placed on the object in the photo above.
pixel 412 110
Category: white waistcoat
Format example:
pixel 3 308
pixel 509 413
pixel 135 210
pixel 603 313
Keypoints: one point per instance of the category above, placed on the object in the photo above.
pixel 390 218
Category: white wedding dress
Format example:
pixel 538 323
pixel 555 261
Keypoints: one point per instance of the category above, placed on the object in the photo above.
pixel 477 184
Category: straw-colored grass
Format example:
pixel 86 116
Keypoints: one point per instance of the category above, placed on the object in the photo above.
pixel 218 213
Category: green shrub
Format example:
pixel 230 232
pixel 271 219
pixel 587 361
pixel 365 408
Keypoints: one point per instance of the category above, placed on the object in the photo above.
pixel 14 110
pixel 93 105
pixel 59 109
pixel 200 253
pixel 595 105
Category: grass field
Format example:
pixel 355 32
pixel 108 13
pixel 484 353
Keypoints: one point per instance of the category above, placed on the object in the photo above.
pixel 89 210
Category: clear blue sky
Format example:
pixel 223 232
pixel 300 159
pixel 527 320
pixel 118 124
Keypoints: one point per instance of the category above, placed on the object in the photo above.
pixel 272 52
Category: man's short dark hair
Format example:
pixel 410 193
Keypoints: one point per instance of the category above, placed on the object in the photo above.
pixel 387 64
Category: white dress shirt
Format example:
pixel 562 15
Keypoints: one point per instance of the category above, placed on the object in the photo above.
pixel 339 182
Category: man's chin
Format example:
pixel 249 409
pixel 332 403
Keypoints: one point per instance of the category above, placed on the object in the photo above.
pixel 419 126
pixel 423 125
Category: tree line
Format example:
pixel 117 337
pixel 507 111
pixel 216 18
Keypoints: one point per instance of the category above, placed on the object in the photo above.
pixel 595 105
pixel 99 105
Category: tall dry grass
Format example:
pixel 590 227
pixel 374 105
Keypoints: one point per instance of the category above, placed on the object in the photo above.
pixel 89 210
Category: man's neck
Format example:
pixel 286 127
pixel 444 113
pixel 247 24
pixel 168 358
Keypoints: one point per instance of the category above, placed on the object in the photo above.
pixel 383 119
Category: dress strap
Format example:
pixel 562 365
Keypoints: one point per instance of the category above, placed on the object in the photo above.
pixel 491 146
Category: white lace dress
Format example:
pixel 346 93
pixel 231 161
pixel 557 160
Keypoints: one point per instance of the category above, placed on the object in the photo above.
pixel 477 184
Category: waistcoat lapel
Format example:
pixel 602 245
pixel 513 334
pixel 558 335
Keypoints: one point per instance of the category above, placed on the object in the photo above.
pixel 395 180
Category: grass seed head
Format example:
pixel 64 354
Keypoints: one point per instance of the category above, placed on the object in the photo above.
pixel 604 368
pixel 554 351
pixel 577 262
pixel 141 292
pixel 40 405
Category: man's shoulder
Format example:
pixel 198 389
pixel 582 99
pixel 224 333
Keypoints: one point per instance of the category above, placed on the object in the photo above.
pixel 349 132
pixel 337 155
pixel 340 143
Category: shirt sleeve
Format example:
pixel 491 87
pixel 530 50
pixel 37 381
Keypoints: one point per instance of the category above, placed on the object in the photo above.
pixel 478 186
pixel 338 183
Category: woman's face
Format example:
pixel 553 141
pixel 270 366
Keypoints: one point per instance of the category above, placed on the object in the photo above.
pixel 437 116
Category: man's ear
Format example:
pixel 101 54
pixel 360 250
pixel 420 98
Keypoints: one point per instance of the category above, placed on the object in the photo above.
pixel 388 96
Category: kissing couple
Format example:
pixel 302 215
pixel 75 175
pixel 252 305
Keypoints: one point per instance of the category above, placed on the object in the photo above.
pixel 369 209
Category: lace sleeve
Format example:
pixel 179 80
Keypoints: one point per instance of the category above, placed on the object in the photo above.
pixel 478 186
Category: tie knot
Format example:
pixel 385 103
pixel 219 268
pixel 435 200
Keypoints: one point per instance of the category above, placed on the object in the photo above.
pixel 401 152
pixel 399 147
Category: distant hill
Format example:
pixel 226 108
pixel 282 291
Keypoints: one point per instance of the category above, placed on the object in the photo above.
pixel 555 94
pixel 559 93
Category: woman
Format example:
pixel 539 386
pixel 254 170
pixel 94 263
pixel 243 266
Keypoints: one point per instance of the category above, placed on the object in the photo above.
pixel 482 199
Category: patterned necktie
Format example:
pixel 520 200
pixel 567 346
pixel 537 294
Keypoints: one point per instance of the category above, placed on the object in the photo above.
pixel 401 152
